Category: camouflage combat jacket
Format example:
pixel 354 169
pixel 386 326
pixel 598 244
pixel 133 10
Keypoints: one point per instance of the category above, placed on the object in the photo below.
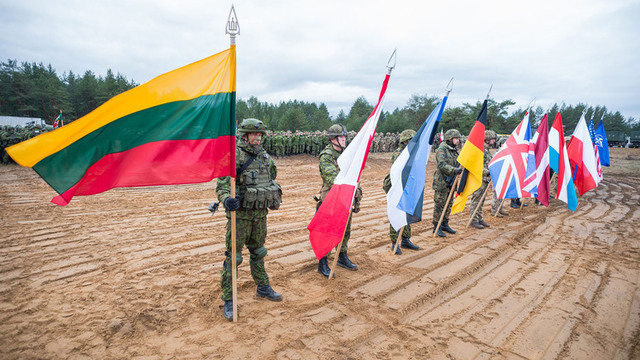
pixel 260 175
pixel 446 163
pixel 329 171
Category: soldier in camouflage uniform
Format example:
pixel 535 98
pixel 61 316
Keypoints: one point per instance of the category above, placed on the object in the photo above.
pixel 278 145
pixel 446 170
pixel 406 243
pixel 477 200
pixel 256 193
pixel 328 171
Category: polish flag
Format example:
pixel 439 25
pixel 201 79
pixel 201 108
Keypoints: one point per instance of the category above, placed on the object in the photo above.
pixel 583 158
pixel 330 221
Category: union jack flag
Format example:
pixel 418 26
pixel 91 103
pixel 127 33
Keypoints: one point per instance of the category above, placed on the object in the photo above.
pixel 509 165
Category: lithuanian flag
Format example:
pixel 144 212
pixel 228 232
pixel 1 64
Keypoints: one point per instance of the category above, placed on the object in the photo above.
pixel 471 158
pixel 178 128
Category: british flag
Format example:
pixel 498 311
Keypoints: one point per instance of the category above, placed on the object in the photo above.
pixel 509 165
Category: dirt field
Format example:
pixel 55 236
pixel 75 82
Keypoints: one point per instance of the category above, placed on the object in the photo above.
pixel 134 273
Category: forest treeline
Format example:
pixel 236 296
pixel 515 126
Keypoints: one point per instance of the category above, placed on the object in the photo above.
pixel 35 90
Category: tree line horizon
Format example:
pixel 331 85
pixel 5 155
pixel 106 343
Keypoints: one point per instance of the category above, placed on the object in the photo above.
pixel 32 89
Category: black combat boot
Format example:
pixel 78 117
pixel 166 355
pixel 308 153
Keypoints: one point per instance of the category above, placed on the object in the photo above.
pixel 407 244
pixel 323 267
pixel 267 292
pixel 398 251
pixel 228 310
pixel 476 225
pixel 445 227
pixel 343 260
pixel 439 233
pixel 484 223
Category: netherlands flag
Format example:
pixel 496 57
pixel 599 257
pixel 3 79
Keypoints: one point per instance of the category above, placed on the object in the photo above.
pixel 404 200
pixel 559 162
pixel 330 221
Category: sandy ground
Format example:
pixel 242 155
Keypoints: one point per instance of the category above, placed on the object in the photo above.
pixel 134 273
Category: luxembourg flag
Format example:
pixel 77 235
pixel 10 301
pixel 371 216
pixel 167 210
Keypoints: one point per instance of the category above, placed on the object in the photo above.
pixel 559 162
pixel 404 200
pixel 537 182
pixel 330 221
pixel 582 158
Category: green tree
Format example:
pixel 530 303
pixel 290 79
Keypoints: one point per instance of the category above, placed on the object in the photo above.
pixel 360 111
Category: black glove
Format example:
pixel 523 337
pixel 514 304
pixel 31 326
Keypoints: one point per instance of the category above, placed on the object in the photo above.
pixel 457 171
pixel 231 203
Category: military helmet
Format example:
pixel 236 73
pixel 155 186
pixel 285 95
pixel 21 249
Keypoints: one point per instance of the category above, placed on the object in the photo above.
pixel 490 134
pixel 407 135
pixel 452 133
pixel 336 130
pixel 252 125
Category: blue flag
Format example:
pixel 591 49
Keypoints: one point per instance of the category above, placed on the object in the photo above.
pixel 404 200
pixel 602 144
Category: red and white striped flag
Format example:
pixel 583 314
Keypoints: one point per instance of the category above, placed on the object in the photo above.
pixel 328 225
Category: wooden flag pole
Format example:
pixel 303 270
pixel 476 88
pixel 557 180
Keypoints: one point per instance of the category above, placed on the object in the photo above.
pixel 233 29
pixel 455 183
pixel 478 206
pixel 395 247
pixel 335 260
pixel 499 207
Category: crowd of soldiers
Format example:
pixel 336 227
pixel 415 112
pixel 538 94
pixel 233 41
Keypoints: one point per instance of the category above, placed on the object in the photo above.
pixel 284 143
pixel 11 135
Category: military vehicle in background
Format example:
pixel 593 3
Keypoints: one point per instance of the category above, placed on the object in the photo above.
pixel 634 139
pixel 616 138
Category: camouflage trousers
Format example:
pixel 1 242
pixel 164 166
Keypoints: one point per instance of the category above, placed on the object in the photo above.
pixel 393 234
pixel 439 199
pixel 495 202
pixel 252 233
pixel 279 150
pixel 477 199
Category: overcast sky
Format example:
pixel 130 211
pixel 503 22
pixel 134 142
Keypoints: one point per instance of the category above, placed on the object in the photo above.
pixel 332 52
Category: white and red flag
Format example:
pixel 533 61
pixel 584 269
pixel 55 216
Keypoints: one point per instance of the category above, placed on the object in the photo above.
pixel 328 224
pixel 582 157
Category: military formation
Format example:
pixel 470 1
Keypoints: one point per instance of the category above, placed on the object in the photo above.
pixel 285 143
pixel 257 192
pixel 11 135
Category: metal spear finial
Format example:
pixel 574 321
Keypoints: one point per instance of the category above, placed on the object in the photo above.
pixel 530 102
pixel 489 91
pixel 233 26
pixel 393 57
pixel 449 87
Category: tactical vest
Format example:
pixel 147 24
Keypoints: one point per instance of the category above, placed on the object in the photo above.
pixel 254 185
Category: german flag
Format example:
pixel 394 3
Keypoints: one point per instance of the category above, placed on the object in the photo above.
pixel 471 158
pixel 178 128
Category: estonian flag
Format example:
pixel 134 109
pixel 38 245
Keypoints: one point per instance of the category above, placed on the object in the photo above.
pixel 404 200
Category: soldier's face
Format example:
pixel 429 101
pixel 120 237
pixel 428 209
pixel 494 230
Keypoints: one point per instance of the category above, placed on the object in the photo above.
pixel 342 140
pixel 455 141
pixel 254 139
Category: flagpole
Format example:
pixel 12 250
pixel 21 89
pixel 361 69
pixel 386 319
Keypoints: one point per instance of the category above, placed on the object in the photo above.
pixel 339 247
pixel 455 183
pixel 233 29
pixel 484 194
pixel 397 244
pixel 499 207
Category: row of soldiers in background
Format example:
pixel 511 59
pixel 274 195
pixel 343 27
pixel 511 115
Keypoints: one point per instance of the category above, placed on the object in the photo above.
pixel 11 135
pixel 285 143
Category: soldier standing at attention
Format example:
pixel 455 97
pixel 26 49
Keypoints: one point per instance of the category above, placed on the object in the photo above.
pixel 477 200
pixel 256 193
pixel 337 135
pixel 446 171
pixel 406 243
